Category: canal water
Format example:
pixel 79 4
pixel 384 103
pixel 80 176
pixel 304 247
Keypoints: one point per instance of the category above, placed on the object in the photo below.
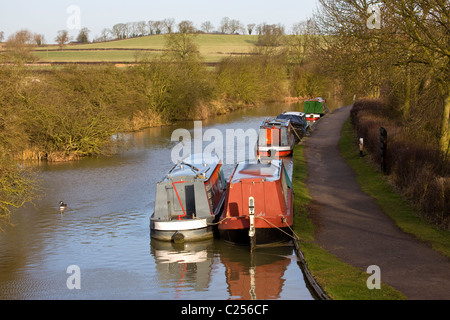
pixel 105 233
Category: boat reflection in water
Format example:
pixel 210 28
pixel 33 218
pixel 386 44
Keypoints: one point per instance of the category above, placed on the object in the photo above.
pixel 191 267
pixel 259 275
pixel 185 266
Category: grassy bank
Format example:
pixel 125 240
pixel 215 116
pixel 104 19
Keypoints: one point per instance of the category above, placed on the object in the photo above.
pixel 377 186
pixel 340 281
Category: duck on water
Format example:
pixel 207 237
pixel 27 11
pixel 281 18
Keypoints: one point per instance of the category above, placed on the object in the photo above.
pixel 62 206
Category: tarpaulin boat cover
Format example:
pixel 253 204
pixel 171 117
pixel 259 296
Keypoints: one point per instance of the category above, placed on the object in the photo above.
pixel 314 106
pixel 295 120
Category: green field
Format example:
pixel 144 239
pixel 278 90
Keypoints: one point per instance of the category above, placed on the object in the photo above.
pixel 213 48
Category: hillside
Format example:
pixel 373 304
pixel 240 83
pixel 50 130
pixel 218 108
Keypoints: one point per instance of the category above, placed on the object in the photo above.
pixel 212 47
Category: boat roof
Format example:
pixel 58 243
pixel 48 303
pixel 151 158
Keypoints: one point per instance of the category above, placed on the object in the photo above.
pixel 246 170
pixel 294 113
pixel 195 165
pixel 276 122
pixel 319 99
pixel 297 118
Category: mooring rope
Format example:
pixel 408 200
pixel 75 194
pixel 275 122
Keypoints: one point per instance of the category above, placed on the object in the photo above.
pixel 220 221
pixel 295 237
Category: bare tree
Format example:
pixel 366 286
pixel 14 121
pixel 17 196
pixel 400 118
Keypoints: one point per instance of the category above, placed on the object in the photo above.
pixel 62 38
pixel 158 27
pixel 299 43
pixel 117 31
pixel 19 46
pixel 186 26
pixel 168 25
pixel 126 30
pixel 427 25
pixel 182 47
pixel 407 56
pixel 250 28
pixel 225 25
pixel 105 34
pixel 2 36
pixel 270 38
pixel 235 26
pixel 141 28
pixel 39 39
pixel 207 26
pixel 83 35
pixel 151 27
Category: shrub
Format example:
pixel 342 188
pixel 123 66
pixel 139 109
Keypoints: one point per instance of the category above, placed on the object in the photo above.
pixel 252 80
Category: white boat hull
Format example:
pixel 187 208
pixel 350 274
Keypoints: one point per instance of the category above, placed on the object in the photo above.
pixel 182 230
pixel 180 225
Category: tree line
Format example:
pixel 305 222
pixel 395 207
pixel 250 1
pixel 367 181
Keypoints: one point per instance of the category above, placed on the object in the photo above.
pixel 142 28
pixel 167 26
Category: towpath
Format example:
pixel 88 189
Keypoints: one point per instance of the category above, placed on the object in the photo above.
pixel 354 228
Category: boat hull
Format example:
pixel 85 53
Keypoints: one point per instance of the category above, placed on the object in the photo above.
pixel 263 236
pixel 275 152
pixel 182 230
pixel 278 154
pixel 268 230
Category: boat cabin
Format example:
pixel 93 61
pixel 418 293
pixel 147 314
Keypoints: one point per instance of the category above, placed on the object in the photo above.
pixel 276 138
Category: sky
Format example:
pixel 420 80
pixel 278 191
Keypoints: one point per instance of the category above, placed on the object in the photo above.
pixel 48 16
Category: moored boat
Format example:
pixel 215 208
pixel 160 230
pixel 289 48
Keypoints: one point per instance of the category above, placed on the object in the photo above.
pixel 315 109
pixel 276 139
pixel 189 200
pixel 298 122
pixel 258 208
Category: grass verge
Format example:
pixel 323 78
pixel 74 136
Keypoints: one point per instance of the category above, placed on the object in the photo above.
pixel 374 184
pixel 339 280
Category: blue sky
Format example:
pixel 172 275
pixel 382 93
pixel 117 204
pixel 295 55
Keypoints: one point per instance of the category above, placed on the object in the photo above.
pixel 48 16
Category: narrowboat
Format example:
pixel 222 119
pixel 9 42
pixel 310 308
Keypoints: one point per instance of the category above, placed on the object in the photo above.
pixel 258 207
pixel 315 109
pixel 298 122
pixel 189 200
pixel 276 139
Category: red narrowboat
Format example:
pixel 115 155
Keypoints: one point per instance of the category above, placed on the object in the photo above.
pixel 258 206
pixel 276 138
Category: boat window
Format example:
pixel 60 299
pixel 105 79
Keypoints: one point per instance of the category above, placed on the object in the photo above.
pixel 286 184
pixel 262 137
pixel 190 199
pixel 223 183
pixel 275 133
pixel 284 136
